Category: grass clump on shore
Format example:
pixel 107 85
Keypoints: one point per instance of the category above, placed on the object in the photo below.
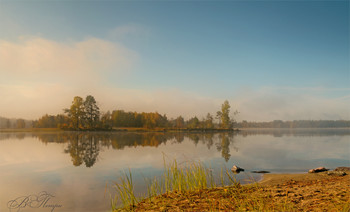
pixel 191 186
pixel 125 189
pixel 180 179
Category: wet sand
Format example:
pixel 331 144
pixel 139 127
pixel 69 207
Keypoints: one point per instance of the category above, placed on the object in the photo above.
pixel 310 191
pixel 273 179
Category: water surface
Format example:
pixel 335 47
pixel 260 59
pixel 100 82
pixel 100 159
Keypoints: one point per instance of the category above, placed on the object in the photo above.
pixel 77 170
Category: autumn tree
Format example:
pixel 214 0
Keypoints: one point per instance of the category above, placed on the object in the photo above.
pixel 20 123
pixel 62 121
pixel 91 111
pixel 149 120
pixel 193 123
pixel 218 116
pixel 46 121
pixel 152 120
pixel 179 122
pixel 50 121
pixel 76 112
pixel 225 121
pixel 208 123
pixel 106 120
pixel 8 123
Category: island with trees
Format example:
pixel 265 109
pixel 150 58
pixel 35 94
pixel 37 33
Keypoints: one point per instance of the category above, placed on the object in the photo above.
pixel 84 114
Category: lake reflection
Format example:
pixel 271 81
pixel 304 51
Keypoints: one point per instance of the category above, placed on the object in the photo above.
pixel 76 167
pixel 84 148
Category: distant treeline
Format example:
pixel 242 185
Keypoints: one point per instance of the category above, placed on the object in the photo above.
pixel 84 114
pixel 120 118
pixel 14 123
pixel 296 124
pixel 123 119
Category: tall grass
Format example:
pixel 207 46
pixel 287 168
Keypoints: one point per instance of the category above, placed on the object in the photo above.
pixel 188 178
pixel 125 189
pixel 192 176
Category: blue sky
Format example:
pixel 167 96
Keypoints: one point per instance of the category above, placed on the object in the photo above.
pixel 271 59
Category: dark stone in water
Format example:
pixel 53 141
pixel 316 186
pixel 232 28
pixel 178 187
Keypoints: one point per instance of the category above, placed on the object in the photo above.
pixel 260 172
pixel 236 169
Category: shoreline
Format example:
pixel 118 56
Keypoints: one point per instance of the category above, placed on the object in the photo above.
pixel 124 129
pixel 278 178
pixel 194 130
pixel 277 192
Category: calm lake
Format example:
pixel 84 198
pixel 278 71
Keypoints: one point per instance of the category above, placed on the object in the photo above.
pixel 69 171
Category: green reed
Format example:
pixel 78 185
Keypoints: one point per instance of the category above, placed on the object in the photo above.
pixel 190 176
pixel 125 189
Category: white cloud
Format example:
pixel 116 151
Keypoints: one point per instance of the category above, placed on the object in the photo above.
pixel 39 56
pixel 41 76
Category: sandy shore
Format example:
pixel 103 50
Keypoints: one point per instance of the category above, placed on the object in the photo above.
pixel 275 192
pixel 310 191
pixel 273 179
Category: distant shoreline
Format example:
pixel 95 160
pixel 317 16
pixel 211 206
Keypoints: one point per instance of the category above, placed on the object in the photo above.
pixel 132 129
pixel 31 130
pixel 300 128
pixel 124 129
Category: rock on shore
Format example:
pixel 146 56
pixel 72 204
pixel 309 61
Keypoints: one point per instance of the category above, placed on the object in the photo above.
pixel 342 169
pixel 317 170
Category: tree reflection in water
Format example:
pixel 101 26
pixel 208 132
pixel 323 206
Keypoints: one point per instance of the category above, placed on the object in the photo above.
pixel 224 145
pixel 84 147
